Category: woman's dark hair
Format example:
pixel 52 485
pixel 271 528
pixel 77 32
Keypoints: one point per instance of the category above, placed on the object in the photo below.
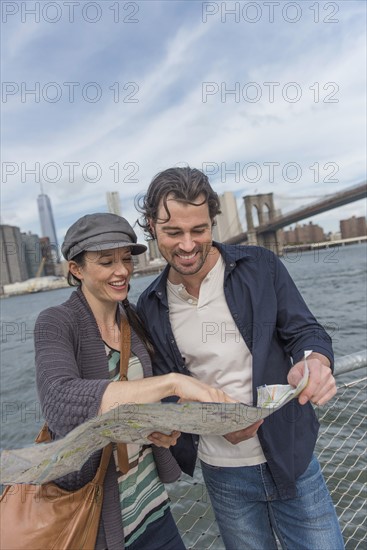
pixel 183 184
pixel 138 326
pixel 131 314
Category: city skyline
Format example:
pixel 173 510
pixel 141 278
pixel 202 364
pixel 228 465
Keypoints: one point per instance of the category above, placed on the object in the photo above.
pixel 356 208
pixel 224 229
pixel 27 258
pixel 260 99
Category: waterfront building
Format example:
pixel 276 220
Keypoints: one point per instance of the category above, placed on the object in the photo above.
pixel 13 267
pixel 333 236
pixel 31 248
pixel 113 202
pixel 153 250
pixel 48 224
pixel 228 222
pixel 50 268
pixel 141 261
pixel 353 227
pixel 307 233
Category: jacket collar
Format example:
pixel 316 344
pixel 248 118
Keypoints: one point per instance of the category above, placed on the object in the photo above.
pixel 230 253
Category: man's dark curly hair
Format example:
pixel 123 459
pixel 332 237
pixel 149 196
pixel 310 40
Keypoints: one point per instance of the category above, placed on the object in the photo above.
pixel 182 184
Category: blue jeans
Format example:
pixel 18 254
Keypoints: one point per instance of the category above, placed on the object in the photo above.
pixel 248 510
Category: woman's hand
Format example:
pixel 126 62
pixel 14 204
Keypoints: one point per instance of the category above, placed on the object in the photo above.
pixel 188 388
pixel 156 388
pixel 163 440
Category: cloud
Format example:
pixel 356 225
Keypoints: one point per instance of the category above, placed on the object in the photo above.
pixel 163 62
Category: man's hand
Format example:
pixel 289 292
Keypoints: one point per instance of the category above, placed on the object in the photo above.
pixel 163 440
pixel 321 385
pixel 242 435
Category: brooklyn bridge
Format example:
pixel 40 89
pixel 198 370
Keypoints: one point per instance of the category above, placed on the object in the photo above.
pixel 265 232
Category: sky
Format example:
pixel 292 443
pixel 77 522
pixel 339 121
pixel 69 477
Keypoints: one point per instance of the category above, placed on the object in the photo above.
pixel 100 96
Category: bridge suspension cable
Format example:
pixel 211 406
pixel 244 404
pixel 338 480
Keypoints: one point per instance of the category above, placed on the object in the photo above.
pixel 292 197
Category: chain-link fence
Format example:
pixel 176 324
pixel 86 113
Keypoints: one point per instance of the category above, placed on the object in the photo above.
pixel 341 450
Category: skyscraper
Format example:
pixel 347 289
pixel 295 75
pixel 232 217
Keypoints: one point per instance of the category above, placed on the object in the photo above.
pixel 113 202
pixel 47 223
pixel 228 222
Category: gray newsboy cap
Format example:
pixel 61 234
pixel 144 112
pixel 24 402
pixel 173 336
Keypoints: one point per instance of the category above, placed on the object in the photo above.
pixel 100 232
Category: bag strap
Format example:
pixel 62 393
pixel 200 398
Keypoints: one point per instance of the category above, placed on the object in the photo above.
pixel 125 346
pixel 103 465
pixel 44 435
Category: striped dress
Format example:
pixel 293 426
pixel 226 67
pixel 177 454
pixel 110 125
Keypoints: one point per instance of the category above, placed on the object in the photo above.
pixel 143 497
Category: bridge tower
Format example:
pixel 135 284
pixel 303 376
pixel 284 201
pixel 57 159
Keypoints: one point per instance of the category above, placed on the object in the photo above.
pixel 263 205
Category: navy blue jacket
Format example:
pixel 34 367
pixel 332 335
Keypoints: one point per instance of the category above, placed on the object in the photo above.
pixel 277 327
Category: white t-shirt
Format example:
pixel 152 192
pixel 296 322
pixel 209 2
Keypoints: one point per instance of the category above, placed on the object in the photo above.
pixel 216 354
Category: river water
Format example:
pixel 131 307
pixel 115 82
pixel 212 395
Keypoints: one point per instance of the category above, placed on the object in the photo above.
pixel 333 283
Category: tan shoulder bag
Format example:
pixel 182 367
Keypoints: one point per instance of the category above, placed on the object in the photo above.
pixel 47 517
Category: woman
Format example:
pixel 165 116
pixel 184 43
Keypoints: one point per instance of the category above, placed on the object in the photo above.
pixel 77 361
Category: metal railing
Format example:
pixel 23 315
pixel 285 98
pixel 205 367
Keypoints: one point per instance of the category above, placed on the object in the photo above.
pixel 341 450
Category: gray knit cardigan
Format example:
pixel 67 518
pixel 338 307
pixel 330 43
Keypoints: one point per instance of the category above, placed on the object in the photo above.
pixel 72 375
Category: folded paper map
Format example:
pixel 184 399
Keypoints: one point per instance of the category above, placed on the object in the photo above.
pixel 132 423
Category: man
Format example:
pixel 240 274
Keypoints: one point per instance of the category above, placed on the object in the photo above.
pixel 232 317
